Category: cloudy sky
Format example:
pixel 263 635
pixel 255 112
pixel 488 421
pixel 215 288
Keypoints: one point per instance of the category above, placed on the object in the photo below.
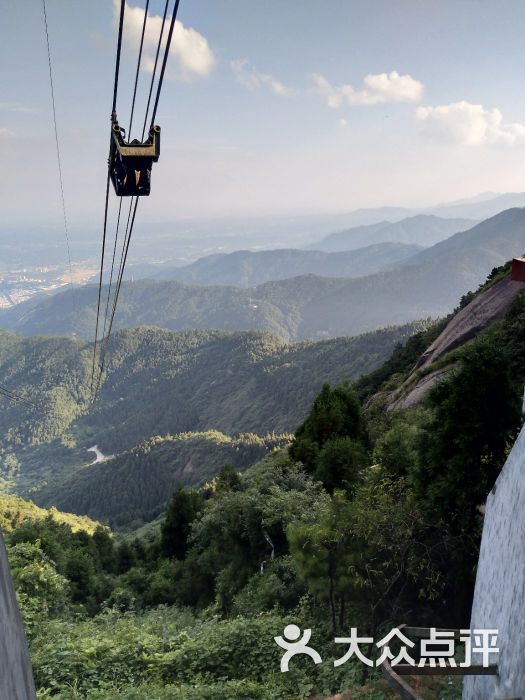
pixel 271 106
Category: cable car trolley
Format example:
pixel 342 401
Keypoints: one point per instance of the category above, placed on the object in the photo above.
pixel 129 168
pixel 130 163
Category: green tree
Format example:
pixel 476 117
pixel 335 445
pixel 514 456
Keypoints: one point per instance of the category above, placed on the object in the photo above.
pixel 125 557
pixel 105 549
pixel 475 417
pixel 228 479
pixel 374 555
pixel 322 555
pixel 182 511
pixel 80 571
pixel 41 590
pixel 335 413
pixel 397 449
pixel 340 462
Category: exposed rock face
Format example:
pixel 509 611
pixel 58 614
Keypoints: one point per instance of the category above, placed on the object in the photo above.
pixel 499 597
pixel 485 309
pixel 421 389
pixel 470 321
pixel 189 468
pixel 186 470
pixel 16 674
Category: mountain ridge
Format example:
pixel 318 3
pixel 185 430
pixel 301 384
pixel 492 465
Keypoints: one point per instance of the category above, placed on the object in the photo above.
pixel 160 382
pixel 245 268
pixel 305 307
pixel 420 229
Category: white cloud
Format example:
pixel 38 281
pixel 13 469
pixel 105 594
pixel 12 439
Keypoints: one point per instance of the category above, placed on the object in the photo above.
pixel 343 122
pixel 470 125
pixel 16 107
pixel 190 54
pixel 253 79
pixel 6 133
pixel 376 89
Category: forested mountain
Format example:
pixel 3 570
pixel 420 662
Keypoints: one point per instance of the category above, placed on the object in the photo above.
pixel 14 511
pixel 134 487
pixel 429 284
pixel 161 382
pixel 167 304
pixel 422 229
pixel 245 268
pixel 234 562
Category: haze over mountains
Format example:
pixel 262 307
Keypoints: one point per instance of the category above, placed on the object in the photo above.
pixel 482 206
pixel 236 390
pixel 423 230
pixel 246 268
pixel 428 284
pixel 182 241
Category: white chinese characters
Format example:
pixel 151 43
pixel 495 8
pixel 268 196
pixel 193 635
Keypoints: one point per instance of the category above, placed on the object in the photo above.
pixel 437 651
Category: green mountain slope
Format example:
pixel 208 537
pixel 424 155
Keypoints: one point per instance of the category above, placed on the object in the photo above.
pixel 161 382
pixel 134 487
pixel 167 304
pixel 245 268
pixel 14 511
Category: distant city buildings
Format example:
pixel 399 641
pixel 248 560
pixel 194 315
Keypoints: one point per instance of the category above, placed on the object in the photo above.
pixel 19 285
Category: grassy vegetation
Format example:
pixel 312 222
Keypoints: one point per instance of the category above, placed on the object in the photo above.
pixel 14 511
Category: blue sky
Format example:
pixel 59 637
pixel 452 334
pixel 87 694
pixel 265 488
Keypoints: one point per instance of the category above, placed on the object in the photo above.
pixel 272 106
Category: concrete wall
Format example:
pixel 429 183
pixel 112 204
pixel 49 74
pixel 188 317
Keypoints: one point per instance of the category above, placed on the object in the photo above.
pixel 16 675
pixel 499 598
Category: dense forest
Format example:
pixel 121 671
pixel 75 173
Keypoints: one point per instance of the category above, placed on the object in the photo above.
pixel 134 487
pixel 160 382
pixel 369 518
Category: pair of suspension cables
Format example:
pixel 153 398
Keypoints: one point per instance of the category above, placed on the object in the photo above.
pixel 115 280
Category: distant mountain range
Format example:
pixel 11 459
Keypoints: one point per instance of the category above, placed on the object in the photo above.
pixel 428 284
pixel 423 230
pixel 246 268
pixel 185 241
pixel 481 206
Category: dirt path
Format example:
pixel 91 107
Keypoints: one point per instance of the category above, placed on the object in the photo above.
pixel 99 457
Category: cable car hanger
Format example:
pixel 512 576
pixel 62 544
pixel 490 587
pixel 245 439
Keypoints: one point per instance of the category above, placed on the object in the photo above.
pixel 130 163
